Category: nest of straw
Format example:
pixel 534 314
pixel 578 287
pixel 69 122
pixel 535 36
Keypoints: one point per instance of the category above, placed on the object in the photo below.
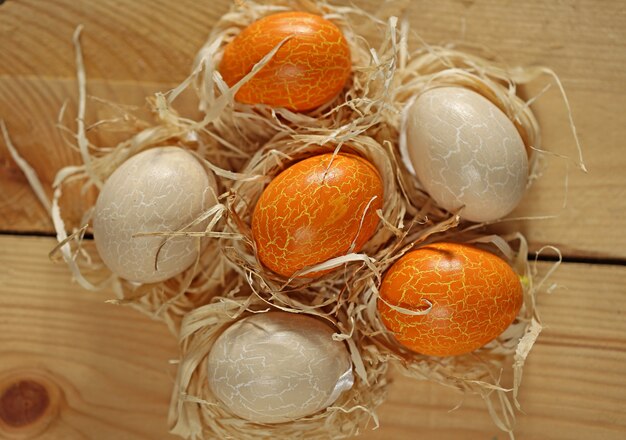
pixel 481 371
pixel 242 129
pixel 168 300
pixel 196 413
pixel 351 269
pixel 246 146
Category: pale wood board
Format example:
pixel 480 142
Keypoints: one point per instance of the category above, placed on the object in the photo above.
pixel 135 48
pixel 112 364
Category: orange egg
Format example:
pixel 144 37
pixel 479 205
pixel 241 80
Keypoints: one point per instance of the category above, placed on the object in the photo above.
pixel 475 296
pixel 314 211
pixel 306 72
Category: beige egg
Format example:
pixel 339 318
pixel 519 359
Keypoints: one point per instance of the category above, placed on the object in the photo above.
pixel 158 190
pixel 277 367
pixel 466 152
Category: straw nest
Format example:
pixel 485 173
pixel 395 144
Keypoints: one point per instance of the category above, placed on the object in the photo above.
pixel 242 129
pixel 246 146
pixel 196 413
pixel 168 300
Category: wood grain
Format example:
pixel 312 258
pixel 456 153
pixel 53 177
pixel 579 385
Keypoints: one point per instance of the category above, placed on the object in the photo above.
pixel 109 363
pixel 111 367
pixel 41 143
pixel 132 50
pixel 105 370
pixel 135 48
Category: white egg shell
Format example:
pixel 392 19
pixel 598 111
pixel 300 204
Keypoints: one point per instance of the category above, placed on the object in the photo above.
pixel 158 190
pixel 466 152
pixel 276 367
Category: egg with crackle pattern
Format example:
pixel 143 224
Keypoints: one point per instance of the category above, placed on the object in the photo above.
pixel 158 190
pixel 466 153
pixel 277 367
pixel 317 209
pixel 475 296
pixel 308 70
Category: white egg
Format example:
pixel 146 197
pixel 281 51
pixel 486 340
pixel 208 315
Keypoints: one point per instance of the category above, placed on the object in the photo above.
pixel 277 367
pixel 466 152
pixel 158 190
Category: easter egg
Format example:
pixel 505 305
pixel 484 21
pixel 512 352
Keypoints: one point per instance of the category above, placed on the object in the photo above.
pixel 307 71
pixel 466 153
pixel 319 208
pixel 475 296
pixel 158 190
pixel 277 367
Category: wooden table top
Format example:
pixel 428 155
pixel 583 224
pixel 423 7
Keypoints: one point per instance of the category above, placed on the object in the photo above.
pixel 106 368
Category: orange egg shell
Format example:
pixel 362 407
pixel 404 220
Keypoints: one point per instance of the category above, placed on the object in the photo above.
pixel 475 296
pixel 311 212
pixel 306 72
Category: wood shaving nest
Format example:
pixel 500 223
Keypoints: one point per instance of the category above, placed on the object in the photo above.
pixel 196 414
pixel 248 145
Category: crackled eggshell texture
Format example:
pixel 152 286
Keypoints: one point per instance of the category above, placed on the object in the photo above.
pixel 158 190
pixel 466 152
pixel 307 71
pixel 475 296
pixel 312 212
pixel 277 367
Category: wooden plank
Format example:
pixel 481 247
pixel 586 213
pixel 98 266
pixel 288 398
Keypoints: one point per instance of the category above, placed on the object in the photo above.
pixel 152 44
pixel 111 364
pixel 132 50
pixel 35 104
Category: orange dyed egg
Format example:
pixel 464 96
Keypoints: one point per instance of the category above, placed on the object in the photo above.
pixel 307 71
pixel 475 296
pixel 315 210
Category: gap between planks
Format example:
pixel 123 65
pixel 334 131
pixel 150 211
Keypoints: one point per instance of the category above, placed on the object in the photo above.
pixel 569 255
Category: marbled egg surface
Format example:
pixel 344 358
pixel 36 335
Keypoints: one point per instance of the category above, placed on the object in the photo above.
pixel 158 190
pixel 277 367
pixel 474 296
pixel 466 152
pixel 308 70
pixel 319 208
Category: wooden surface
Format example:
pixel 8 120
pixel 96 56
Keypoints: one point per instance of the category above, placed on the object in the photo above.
pixel 111 364
pixel 134 48
pixel 105 370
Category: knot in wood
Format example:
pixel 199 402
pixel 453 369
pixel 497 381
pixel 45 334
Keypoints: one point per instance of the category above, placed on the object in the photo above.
pixel 23 402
